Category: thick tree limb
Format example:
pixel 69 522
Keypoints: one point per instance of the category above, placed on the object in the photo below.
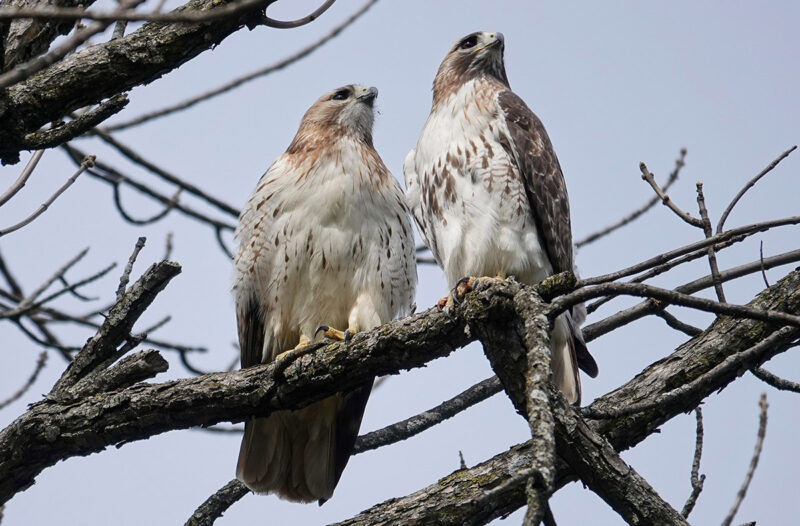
pixel 27 38
pixel 104 70
pixel 452 499
pixel 53 430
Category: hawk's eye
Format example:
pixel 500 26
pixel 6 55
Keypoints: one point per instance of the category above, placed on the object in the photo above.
pixel 342 94
pixel 470 41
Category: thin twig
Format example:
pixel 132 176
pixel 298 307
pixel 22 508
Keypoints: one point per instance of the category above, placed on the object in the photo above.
pixel 124 279
pixel 775 381
pixel 761 261
pixel 563 303
pixel 228 86
pixel 673 176
pixel 762 431
pixel 28 308
pixel 23 177
pixel 215 505
pixel 750 184
pixel 712 258
pixel 666 267
pixel 649 306
pixel 28 383
pixel 28 300
pixel 678 325
pixel 161 214
pixel 87 162
pixel 742 232
pixel 781 338
pixel 136 158
pixel 696 479
pixel 75 293
pixel 112 176
pixel 168 246
pixel 419 423
pixel 650 178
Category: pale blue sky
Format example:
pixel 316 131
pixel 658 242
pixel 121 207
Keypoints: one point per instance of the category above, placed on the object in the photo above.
pixel 615 83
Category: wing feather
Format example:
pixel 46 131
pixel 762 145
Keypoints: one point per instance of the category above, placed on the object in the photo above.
pixel 546 190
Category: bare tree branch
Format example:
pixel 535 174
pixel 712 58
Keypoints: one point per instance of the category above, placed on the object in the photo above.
pixel 217 504
pixel 235 83
pixel 25 70
pixel 23 177
pixel 762 431
pixel 128 14
pixel 672 254
pixel 28 383
pixel 87 162
pixel 126 274
pixel 775 381
pixel 651 180
pixel 707 230
pixel 58 135
pixel 108 69
pixel 427 419
pixel 695 478
pixel 167 176
pixel 750 184
pixel 673 176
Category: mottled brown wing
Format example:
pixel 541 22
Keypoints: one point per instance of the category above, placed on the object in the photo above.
pixel 250 319
pixel 547 194
pixel 544 183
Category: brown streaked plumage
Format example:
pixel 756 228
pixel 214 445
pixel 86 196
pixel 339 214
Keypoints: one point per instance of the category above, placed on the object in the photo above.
pixel 487 191
pixel 324 240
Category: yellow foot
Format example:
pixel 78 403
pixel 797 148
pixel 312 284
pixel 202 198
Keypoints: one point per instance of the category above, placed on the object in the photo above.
pixel 335 334
pixel 464 286
pixel 304 341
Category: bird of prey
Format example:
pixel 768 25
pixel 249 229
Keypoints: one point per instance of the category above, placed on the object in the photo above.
pixel 325 242
pixel 487 191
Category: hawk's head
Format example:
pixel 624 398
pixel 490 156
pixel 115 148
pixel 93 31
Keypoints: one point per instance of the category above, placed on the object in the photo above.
pixel 476 55
pixel 344 111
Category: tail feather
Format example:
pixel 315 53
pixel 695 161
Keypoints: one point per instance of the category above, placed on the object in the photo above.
pixel 291 453
pixel 564 360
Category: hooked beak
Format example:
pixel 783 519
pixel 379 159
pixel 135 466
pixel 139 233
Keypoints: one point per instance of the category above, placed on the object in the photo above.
pixel 369 96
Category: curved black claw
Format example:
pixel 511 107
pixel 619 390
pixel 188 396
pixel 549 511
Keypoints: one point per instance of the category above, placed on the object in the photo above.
pixel 321 328
pixel 461 288
pixel 348 335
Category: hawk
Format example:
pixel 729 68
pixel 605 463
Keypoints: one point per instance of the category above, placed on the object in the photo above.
pixel 325 242
pixel 487 192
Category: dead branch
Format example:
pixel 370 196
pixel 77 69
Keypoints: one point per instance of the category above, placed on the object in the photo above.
pixel 673 176
pixel 71 43
pixel 427 419
pixel 775 381
pixel 712 258
pixel 750 184
pixel 88 161
pixel 108 69
pixel 762 431
pixel 58 135
pixel 124 279
pixel 23 177
pixel 28 383
pixel 182 184
pixel 651 180
pixel 128 14
pixel 695 478
pixel 217 504
pixel 742 232
pixel 235 83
